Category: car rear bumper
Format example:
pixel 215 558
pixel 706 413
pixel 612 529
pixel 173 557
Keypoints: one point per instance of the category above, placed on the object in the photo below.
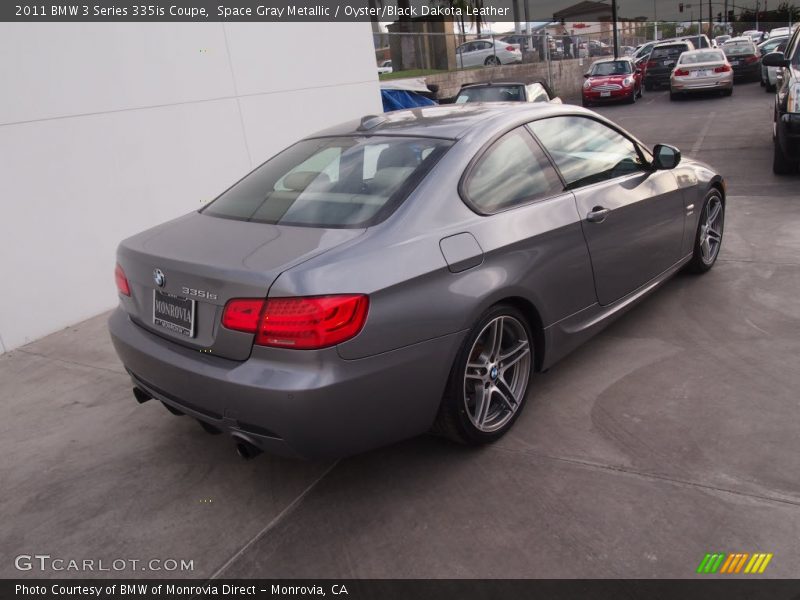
pixel 753 70
pixel 701 86
pixel 310 404
pixel 657 78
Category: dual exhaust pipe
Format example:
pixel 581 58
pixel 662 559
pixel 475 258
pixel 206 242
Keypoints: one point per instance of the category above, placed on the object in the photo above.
pixel 244 448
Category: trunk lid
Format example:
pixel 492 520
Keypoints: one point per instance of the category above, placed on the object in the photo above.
pixel 205 261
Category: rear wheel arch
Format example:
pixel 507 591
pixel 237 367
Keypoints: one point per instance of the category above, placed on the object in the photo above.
pixel 527 308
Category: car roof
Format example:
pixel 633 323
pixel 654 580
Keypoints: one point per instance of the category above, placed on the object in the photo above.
pixel 449 121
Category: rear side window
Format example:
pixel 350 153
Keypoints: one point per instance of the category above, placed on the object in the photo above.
pixel 513 171
pixel 587 151
pixel 331 182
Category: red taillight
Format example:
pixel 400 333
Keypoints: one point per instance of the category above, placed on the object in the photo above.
pixel 302 323
pixel 510 48
pixel 651 63
pixel 680 72
pixel 122 281
pixel 243 314
pixel 722 69
pixel 751 59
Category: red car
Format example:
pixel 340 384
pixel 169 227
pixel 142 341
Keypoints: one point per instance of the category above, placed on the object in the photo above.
pixel 612 79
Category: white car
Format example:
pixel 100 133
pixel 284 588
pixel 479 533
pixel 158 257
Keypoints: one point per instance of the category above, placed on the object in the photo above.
pixel 781 32
pixel 385 67
pixel 769 75
pixel 483 52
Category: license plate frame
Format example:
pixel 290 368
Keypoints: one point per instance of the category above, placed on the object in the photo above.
pixel 605 94
pixel 702 73
pixel 175 324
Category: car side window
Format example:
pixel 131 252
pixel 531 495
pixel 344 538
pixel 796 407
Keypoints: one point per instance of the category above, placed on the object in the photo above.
pixel 513 171
pixel 587 151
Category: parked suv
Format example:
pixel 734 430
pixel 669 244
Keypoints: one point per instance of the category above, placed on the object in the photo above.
pixel 786 127
pixel 663 59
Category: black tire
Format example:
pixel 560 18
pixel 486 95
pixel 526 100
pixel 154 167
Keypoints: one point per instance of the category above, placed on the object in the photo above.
pixel 453 420
pixel 769 88
pixel 728 92
pixel 781 164
pixel 673 96
pixel 699 264
pixel 492 61
pixel 632 99
pixel 585 103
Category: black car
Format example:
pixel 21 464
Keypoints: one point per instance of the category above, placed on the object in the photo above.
pixel 662 60
pixel 744 58
pixel 786 130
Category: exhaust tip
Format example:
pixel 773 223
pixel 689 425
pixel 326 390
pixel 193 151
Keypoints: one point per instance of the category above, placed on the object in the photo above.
pixel 246 450
pixel 140 395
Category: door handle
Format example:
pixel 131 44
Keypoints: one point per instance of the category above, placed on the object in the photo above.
pixel 597 215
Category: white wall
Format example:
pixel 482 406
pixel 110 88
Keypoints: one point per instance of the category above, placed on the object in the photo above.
pixel 108 128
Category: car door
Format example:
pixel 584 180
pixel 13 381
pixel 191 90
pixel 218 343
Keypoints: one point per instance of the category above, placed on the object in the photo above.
pixel 529 233
pixel 632 215
pixel 483 50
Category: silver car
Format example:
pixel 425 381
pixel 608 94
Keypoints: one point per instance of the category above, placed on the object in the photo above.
pixel 405 273
pixel 701 71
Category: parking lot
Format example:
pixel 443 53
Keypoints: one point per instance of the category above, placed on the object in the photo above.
pixel 670 435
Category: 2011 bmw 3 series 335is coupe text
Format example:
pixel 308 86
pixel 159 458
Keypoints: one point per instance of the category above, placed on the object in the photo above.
pixel 405 273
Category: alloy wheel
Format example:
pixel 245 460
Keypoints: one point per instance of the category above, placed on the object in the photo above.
pixel 496 377
pixel 711 229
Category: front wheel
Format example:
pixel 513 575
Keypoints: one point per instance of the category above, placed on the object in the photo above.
pixel 708 238
pixel 489 379
pixel 492 61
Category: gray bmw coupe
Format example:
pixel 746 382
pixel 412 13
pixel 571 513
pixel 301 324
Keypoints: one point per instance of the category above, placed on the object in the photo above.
pixel 405 273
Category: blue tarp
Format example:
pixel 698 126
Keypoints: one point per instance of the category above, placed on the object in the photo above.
pixel 398 99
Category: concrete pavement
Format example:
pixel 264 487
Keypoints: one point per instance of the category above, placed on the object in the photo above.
pixel 672 434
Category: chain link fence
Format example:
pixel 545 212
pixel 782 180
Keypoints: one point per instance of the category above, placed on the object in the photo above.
pixel 447 60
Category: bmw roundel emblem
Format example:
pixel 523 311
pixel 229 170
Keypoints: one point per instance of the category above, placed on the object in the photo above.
pixel 159 278
pixel 493 373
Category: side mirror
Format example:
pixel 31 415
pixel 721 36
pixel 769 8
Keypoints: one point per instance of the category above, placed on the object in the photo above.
pixel 586 75
pixel 666 156
pixel 775 59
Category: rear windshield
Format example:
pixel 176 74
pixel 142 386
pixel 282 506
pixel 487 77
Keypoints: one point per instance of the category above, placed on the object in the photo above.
pixel 702 57
pixel 494 93
pixel 668 51
pixel 735 48
pixel 331 182
pixel 618 67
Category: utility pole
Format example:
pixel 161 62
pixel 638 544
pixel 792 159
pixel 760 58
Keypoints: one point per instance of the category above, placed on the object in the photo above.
pixel 614 25
pixel 710 21
pixel 655 21
pixel 757 8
